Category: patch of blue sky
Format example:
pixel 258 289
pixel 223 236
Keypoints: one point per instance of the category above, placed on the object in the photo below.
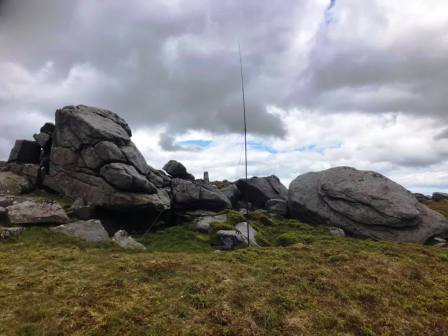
pixel 316 148
pixel 261 147
pixel 329 17
pixel 196 143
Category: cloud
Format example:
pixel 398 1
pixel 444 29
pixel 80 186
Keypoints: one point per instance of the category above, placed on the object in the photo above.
pixel 327 83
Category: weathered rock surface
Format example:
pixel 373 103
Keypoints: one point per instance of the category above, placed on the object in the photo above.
pixel 261 189
pixel 364 204
pixel 335 231
pixel 188 195
pixel 34 212
pixel 25 151
pixel 91 231
pixel 177 170
pixel 421 197
pixel 203 224
pixel 9 232
pixel 124 240
pixel 82 210
pixel 13 184
pixel 93 158
pixel 232 193
pixel 439 196
pixel 231 239
pixel 278 207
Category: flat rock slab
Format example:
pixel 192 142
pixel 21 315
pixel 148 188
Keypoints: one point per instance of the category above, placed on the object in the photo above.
pixel 90 231
pixel 32 212
pixel 124 240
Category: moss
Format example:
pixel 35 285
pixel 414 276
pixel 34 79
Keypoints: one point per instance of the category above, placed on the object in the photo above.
pixel 288 238
pixel 234 217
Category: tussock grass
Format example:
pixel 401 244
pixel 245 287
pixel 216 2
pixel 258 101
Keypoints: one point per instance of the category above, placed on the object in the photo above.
pixel 319 285
pixel 441 206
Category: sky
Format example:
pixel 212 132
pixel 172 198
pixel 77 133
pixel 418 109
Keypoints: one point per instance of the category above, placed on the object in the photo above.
pixel 328 83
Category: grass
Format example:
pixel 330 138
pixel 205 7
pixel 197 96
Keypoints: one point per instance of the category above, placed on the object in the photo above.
pixel 317 285
pixel 441 206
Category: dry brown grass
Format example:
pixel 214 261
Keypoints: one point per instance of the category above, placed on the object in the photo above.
pixel 51 285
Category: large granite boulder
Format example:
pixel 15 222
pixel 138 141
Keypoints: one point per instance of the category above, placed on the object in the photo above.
pixel 188 195
pixel 25 151
pixel 261 189
pixel 178 170
pixel 364 204
pixel 93 158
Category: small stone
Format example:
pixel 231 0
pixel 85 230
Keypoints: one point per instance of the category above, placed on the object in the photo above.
pixel 337 232
pixel 9 232
pixel 124 240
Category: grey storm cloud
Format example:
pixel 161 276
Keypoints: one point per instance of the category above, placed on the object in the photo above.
pixel 175 64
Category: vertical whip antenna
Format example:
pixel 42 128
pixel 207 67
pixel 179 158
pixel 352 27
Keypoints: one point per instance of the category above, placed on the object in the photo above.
pixel 245 142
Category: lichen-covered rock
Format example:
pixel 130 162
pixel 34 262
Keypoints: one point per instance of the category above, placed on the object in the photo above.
pixel 36 212
pixel 13 184
pixel 93 158
pixel 363 203
pixel 90 231
pixel 10 232
pixel 188 195
pixel 124 240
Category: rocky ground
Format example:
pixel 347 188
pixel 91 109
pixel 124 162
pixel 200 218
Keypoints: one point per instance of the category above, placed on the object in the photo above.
pixel 95 241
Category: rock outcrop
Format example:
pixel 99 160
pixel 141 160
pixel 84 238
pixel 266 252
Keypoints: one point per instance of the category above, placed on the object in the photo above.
pixel 364 204
pixel 189 195
pixel 439 196
pixel 25 151
pixel 178 170
pixel 261 189
pixel 30 211
pixel 93 158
